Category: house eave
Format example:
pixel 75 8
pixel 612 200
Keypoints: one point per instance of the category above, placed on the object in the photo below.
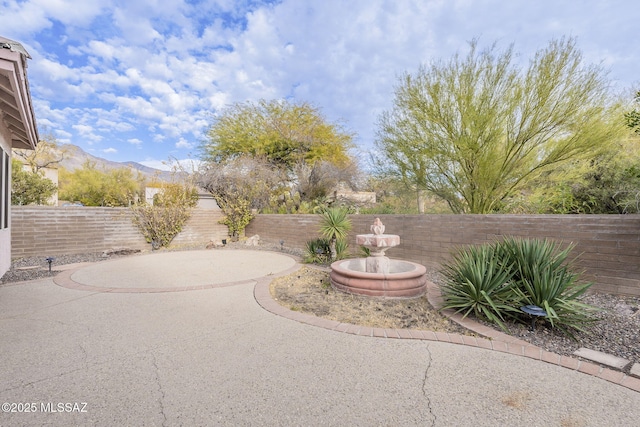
pixel 16 106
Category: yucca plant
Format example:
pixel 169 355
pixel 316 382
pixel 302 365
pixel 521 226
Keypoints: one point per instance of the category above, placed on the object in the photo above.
pixel 334 226
pixel 477 281
pixel 544 277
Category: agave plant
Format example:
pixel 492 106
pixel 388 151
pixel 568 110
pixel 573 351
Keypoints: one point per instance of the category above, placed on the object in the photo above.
pixel 545 278
pixel 477 281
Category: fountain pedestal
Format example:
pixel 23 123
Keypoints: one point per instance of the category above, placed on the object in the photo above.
pixel 377 244
pixel 378 275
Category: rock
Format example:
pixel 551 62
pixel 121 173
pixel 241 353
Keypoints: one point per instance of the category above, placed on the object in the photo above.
pixel 253 240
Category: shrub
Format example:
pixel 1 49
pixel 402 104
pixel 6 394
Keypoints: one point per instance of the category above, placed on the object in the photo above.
pixel 545 278
pixel 161 222
pixel 478 282
pixel 318 251
pixel 494 280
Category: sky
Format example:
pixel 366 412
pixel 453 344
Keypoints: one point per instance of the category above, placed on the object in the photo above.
pixel 142 80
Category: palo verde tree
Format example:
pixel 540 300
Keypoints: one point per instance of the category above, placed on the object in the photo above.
pixel 281 132
pixel 475 129
pixel 294 138
pixel 94 187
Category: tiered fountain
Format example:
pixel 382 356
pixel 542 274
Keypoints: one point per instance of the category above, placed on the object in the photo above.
pixel 378 275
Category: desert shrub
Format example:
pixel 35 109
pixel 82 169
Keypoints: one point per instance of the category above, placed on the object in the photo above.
pixel 545 277
pixel 317 251
pixel 477 281
pixel 161 222
pixel 494 280
pixel 342 249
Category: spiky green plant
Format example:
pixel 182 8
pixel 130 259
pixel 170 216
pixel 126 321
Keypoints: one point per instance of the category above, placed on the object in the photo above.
pixel 334 226
pixel 342 249
pixel 544 277
pixel 317 251
pixel 478 282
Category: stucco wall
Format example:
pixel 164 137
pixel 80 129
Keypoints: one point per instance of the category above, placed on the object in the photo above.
pixel 5 233
pixel 608 246
pixel 48 230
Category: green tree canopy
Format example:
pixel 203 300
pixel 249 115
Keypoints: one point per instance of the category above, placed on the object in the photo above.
pixel 29 187
pixel 475 129
pixel 283 133
pixel 608 183
pixel 93 187
pixel 633 117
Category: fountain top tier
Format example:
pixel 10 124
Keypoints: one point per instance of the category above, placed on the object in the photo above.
pixel 377 241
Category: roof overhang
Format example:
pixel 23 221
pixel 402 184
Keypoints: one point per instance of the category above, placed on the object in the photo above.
pixel 16 107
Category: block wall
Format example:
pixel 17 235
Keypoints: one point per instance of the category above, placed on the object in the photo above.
pixel 46 230
pixel 607 246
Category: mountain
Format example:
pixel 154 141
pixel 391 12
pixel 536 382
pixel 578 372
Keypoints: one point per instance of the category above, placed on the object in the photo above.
pixel 75 157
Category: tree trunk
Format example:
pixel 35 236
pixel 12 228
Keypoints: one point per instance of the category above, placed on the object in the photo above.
pixel 332 249
pixel 420 198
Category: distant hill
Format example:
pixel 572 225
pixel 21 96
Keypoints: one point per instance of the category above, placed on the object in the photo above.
pixel 75 157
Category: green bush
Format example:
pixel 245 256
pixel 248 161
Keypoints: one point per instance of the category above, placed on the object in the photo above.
pixel 161 222
pixel 318 251
pixel 342 249
pixel 477 281
pixel 544 277
pixel 494 280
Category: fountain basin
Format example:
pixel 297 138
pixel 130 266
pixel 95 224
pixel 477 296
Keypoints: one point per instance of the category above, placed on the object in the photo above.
pixel 405 279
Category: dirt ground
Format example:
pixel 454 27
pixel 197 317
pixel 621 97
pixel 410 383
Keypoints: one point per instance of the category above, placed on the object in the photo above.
pixel 309 290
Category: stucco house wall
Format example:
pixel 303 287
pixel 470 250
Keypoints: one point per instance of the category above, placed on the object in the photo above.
pixel 5 232
pixel 17 130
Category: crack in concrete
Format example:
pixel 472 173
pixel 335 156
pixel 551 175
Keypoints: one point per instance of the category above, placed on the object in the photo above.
pixel 424 388
pixel 160 389
pixel 85 357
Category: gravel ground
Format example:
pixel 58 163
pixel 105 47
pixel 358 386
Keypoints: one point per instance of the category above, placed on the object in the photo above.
pixel 617 332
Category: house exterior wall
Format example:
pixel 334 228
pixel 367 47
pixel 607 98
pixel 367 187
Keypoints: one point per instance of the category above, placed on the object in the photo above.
pixel 5 199
pixel 17 130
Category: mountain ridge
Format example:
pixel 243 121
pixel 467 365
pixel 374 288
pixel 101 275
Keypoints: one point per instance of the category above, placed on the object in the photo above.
pixel 75 157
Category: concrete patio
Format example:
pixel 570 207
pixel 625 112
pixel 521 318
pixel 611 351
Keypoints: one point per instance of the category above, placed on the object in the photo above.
pixel 179 339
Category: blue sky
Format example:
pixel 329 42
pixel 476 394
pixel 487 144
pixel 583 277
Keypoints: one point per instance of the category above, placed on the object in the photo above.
pixel 141 80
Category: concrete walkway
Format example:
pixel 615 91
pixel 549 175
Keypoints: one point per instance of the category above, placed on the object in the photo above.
pixel 150 340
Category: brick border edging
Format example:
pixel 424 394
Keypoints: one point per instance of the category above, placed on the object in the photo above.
pixel 492 339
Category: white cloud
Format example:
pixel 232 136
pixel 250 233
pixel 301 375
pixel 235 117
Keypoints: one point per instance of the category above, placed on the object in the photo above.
pixel 109 150
pixel 184 144
pixel 151 70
